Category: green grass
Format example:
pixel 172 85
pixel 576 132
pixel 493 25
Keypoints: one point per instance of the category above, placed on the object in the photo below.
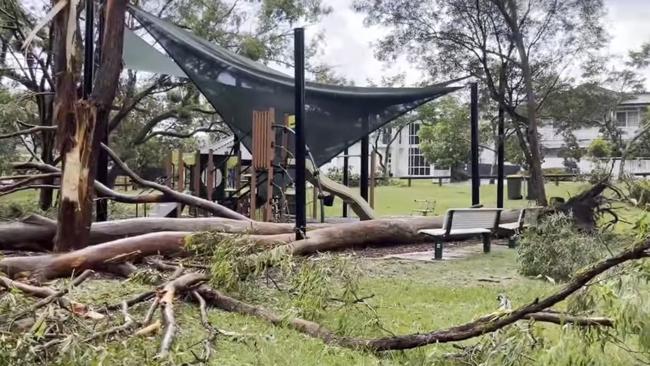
pixel 395 200
pixel 408 297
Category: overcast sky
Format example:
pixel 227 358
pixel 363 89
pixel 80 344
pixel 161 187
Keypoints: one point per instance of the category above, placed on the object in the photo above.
pixel 349 44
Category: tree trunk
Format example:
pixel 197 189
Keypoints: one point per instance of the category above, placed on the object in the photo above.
pixel 37 232
pixel 337 237
pixel 98 257
pixel 536 174
pixel 372 232
pixel 74 219
pixel 81 127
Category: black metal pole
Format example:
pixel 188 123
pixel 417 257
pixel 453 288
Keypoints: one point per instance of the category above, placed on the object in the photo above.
pixel 102 159
pixel 363 174
pixel 89 49
pixel 346 178
pixel 101 206
pixel 299 61
pixel 476 179
pixel 500 157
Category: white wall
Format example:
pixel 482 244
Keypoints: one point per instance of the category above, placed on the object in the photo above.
pixel 399 159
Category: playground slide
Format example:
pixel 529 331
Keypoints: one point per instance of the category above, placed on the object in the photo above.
pixel 349 196
pixel 165 209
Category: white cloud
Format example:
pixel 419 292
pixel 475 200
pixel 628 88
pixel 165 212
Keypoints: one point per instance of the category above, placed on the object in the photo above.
pixel 349 47
pixel 349 43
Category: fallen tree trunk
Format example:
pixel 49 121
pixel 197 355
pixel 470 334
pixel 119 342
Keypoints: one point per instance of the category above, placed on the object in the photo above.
pixel 372 232
pixel 37 231
pixel 357 234
pixel 34 231
pixel 97 257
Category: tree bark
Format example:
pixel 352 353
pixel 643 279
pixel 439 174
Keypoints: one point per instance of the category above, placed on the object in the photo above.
pixel 537 176
pixel 96 257
pixel 36 232
pixel 74 216
pixel 358 234
pixel 371 232
pixel 82 129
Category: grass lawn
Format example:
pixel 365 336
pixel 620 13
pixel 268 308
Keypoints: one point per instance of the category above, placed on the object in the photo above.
pixel 394 200
pixel 408 297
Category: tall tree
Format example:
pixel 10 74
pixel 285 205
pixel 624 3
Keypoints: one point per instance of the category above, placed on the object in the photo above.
pixel 517 49
pixel 444 134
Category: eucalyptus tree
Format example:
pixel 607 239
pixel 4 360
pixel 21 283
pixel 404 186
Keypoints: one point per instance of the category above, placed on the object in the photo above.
pixel 519 50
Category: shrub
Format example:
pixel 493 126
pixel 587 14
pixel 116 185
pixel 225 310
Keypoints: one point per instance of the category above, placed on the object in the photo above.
pixel 556 249
pixel 599 148
pixel 336 174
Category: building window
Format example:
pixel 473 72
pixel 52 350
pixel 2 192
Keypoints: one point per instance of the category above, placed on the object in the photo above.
pixel 414 139
pixel 627 118
pixel 417 163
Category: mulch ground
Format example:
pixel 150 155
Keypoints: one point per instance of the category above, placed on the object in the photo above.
pixel 377 251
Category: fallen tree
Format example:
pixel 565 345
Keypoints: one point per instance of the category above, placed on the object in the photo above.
pixel 537 310
pixel 335 237
pixel 96 257
pixel 37 232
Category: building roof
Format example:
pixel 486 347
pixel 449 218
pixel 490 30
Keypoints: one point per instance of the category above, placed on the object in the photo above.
pixel 641 98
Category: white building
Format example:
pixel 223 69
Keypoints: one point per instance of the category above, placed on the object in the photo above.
pixel 404 160
pixel 628 117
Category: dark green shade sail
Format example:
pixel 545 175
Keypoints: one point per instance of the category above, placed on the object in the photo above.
pixel 336 116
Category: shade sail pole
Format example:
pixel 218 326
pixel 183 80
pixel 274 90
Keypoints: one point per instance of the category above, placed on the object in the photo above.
pixel 500 157
pixel 476 179
pixel 101 206
pixel 363 176
pixel 346 178
pixel 300 201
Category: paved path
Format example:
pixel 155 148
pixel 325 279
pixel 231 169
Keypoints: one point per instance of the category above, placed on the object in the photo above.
pixel 449 253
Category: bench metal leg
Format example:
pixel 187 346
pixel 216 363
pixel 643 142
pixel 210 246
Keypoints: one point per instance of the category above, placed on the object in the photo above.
pixel 512 242
pixel 438 250
pixel 486 243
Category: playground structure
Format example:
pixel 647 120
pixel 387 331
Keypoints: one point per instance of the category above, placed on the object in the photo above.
pixel 232 176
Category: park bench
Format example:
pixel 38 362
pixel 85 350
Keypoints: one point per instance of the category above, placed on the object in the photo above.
pixel 527 218
pixel 465 222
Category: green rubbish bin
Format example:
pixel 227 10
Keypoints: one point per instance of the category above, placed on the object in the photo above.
pixel 514 187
